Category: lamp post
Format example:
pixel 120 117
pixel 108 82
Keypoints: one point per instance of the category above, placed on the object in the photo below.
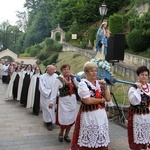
pixel 103 11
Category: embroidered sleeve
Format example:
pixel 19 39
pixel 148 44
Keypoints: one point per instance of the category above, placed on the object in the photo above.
pixel 134 96
pixel 83 90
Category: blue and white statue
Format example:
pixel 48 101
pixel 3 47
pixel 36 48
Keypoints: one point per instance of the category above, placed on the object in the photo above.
pixel 101 41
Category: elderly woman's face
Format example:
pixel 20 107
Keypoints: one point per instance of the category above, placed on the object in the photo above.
pixel 92 73
pixel 66 71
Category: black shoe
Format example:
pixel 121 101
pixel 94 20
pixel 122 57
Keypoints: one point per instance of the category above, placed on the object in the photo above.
pixel 36 114
pixel 48 126
pixel 60 138
pixel 67 139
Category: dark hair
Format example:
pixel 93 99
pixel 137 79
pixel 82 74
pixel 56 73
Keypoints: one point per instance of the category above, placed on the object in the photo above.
pixel 27 66
pixel 64 66
pixel 17 68
pixel 39 69
pixel 142 69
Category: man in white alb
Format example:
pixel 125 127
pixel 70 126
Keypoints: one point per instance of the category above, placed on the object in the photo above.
pixel 45 86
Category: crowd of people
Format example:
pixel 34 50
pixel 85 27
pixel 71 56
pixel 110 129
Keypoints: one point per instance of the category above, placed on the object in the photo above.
pixel 54 93
pixel 23 83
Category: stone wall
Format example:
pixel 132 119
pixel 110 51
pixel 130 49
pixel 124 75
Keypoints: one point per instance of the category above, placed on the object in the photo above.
pixel 88 53
pixel 128 67
pixel 135 60
pixel 16 58
pixel 125 71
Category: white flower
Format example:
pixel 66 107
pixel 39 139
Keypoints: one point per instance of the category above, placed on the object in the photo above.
pixel 93 60
pixel 102 64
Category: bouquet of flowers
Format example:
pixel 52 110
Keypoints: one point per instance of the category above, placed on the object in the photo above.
pixel 103 64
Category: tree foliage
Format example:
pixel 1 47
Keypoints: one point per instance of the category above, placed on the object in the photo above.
pixel 74 16
pixel 138 38
pixel 9 36
pixel 51 59
pixel 116 24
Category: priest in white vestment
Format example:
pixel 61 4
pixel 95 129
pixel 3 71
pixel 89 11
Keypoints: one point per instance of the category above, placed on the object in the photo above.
pixel 45 85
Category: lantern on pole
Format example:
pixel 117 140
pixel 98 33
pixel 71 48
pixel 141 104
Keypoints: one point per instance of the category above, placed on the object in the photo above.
pixel 103 11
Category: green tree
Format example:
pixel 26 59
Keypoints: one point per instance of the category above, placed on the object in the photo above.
pixel 138 38
pixel 22 20
pixel 38 31
pixel 9 36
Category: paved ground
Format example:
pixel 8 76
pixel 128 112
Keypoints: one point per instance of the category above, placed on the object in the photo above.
pixel 20 130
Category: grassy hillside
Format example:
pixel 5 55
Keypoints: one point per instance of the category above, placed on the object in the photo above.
pixel 75 59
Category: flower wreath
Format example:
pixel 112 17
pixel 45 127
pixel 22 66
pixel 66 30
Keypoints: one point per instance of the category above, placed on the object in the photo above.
pixel 102 64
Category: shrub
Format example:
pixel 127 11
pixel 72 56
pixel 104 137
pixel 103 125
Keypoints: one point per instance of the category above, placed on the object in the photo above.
pixel 43 55
pixel 116 24
pixel 92 34
pixel 84 43
pixel 49 44
pixel 51 59
pixel 131 24
pixel 37 49
pixel 49 41
pixel 57 47
pixel 54 58
pixel 25 55
pixel 136 40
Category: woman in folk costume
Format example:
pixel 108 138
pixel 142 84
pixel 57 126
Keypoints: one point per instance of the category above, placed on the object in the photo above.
pixel 66 113
pixel 139 111
pixel 12 88
pixel 33 100
pixel 24 82
pixel 91 130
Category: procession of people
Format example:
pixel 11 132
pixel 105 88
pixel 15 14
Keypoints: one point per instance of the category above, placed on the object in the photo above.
pixel 54 94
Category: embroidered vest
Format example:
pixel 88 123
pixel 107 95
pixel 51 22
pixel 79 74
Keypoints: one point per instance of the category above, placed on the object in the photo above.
pixel 86 108
pixel 143 107
pixel 65 90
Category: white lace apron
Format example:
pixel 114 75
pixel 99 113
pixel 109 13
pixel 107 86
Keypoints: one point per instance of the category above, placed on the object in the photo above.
pixel 141 129
pixel 94 131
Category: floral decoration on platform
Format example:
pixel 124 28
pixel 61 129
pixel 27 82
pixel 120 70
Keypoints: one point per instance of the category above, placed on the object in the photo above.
pixel 102 64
